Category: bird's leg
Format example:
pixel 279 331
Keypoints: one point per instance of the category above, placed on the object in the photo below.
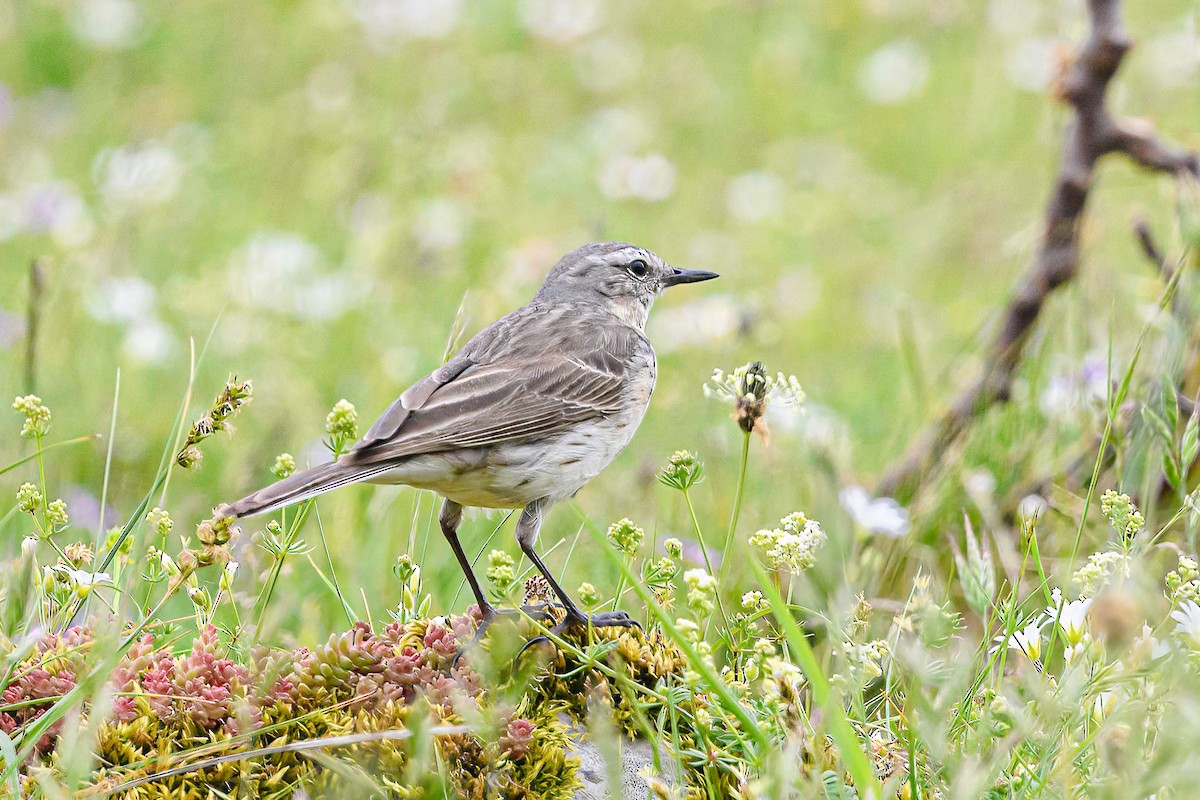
pixel 527 532
pixel 449 519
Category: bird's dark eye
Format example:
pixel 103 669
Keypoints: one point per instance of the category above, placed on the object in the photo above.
pixel 638 268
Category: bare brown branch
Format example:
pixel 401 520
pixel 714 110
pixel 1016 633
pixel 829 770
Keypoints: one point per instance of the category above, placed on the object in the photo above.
pixel 1092 133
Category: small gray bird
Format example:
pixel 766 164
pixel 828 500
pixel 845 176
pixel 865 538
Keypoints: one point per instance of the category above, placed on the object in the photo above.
pixel 531 408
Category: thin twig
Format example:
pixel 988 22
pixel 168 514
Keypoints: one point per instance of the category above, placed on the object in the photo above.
pixel 1092 133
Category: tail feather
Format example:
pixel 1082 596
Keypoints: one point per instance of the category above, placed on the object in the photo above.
pixel 301 486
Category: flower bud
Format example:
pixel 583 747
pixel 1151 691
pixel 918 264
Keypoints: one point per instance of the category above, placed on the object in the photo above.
pixel 29 499
pixel 588 595
pixel 227 576
pixel 285 465
pixel 625 536
pixel 342 421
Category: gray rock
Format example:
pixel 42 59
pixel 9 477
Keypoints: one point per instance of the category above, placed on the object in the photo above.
pixel 637 759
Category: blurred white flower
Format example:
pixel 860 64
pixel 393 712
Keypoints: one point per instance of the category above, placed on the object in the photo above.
pixel 1174 58
pixel 270 261
pixel 696 324
pixel 560 20
pixel 121 300
pixel 279 270
pixel 384 20
pixel 439 224
pixel 1031 63
pixel 875 515
pixel 755 196
pixel 894 73
pixel 618 130
pixel 111 24
pixel 650 178
pixel 1187 621
pixel 1032 506
pixel 981 486
pixel 138 174
pixel 607 62
pixel 149 341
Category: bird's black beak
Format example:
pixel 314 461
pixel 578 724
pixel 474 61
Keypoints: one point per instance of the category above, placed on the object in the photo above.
pixel 678 276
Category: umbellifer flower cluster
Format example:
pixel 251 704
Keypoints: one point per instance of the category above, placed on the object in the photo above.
pixel 793 545
pixel 37 415
pixel 682 472
pixel 625 536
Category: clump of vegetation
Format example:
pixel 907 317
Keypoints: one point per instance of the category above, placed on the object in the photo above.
pixel 183 725
pixel 1010 677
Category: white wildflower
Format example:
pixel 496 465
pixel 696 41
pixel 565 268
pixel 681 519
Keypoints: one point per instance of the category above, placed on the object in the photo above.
pixel 1071 617
pixel 1027 640
pixel 875 515
pixel 83 581
pixel 1187 622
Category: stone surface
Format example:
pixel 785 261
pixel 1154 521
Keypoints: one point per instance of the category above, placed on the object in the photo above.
pixel 637 760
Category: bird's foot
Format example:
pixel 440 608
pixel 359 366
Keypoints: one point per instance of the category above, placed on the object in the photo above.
pixel 605 619
pixel 540 612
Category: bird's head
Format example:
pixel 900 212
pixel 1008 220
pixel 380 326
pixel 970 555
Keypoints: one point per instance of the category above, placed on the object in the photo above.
pixel 622 277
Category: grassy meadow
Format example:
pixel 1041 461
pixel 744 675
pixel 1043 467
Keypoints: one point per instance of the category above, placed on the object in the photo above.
pixel 326 198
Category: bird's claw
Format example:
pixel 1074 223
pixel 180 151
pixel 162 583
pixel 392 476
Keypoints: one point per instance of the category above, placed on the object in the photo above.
pixel 540 613
pixel 605 619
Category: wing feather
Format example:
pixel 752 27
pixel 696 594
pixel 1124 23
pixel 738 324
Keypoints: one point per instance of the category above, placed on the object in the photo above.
pixel 516 393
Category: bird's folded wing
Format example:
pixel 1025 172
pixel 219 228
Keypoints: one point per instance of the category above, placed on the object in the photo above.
pixel 486 404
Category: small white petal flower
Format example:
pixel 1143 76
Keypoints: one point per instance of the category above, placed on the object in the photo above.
pixel 83 581
pixel 1072 619
pixel 1187 622
pixel 875 515
pixel 1028 640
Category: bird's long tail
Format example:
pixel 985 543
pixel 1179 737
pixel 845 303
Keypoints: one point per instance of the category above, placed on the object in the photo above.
pixel 301 486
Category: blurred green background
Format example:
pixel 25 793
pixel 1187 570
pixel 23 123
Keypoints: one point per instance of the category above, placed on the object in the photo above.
pixel 333 181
